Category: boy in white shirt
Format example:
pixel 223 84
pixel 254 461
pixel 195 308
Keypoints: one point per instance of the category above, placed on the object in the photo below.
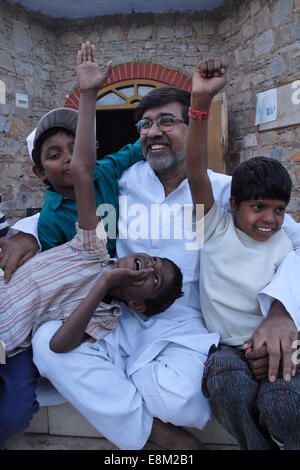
pixel 239 257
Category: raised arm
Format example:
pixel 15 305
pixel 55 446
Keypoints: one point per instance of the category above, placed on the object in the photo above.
pixel 90 80
pixel 208 79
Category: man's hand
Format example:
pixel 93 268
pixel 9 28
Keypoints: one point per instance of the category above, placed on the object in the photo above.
pixel 90 77
pixel 277 333
pixel 208 79
pixel 15 251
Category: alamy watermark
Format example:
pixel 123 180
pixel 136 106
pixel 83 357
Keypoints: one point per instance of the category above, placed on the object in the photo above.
pixel 155 222
pixel 296 353
pixel 296 93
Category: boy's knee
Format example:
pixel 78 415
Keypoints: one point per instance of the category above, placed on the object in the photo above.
pixel 280 399
pixel 171 395
pixel 15 417
pixel 279 408
pixel 227 377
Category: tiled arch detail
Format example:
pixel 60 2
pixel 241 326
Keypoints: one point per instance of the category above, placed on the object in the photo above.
pixel 138 70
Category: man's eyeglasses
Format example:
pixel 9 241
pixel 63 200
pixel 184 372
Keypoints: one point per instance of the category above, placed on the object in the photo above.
pixel 164 123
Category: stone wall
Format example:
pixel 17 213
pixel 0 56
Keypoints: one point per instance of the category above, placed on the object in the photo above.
pixel 38 55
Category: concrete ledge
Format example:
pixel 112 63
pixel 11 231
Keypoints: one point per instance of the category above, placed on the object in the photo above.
pixel 62 427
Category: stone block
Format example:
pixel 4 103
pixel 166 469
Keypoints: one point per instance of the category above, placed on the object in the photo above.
pixel 295 28
pixel 213 433
pixel 278 67
pixel 282 9
pixel 142 33
pixel 242 56
pixel 5 125
pixel 248 30
pixel 66 420
pixel 20 39
pixel 297 176
pixel 277 154
pixel 183 31
pixel 113 33
pixel 6 62
pixel 165 32
pixel 39 422
pixel 296 157
pixel 263 19
pixel 204 27
pixel 42 442
pixel 23 68
pixel 257 79
pixel 254 7
pixel 250 140
pixel 264 43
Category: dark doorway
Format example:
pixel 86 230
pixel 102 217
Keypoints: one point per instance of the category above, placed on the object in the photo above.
pixel 114 129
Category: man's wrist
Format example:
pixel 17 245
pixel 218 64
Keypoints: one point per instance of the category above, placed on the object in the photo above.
pixel 88 92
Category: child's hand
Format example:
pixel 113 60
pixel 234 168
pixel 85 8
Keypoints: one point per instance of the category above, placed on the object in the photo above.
pixel 90 77
pixel 208 79
pixel 124 276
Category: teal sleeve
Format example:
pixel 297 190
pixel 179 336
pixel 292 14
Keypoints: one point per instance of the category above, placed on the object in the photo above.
pixel 117 162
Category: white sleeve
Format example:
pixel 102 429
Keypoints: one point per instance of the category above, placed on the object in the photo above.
pixel 26 225
pixel 292 229
pixel 285 285
pixel 221 185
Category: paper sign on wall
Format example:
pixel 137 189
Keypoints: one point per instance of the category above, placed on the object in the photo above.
pixel 266 106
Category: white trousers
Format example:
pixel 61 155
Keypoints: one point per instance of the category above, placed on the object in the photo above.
pixel 93 379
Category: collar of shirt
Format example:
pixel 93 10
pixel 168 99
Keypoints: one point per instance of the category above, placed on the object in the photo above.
pixel 54 199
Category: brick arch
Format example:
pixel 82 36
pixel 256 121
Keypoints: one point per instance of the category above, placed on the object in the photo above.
pixel 138 70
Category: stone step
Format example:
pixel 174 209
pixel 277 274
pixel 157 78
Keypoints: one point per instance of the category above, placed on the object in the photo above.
pixel 63 427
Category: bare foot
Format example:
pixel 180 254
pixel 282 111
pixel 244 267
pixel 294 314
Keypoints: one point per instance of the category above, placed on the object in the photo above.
pixel 170 437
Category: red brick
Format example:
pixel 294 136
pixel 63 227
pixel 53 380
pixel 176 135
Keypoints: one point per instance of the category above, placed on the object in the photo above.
pixel 113 76
pixel 297 174
pixel 76 92
pixel 187 84
pixel 164 75
pixel 69 104
pixel 134 70
pixel 172 77
pixel 181 82
pixel 157 72
pixel 116 73
pixel 126 71
pixel 122 72
pixel 74 99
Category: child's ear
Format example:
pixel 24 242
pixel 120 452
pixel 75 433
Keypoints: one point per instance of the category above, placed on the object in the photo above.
pixel 39 173
pixel 137 305
pixel 233 204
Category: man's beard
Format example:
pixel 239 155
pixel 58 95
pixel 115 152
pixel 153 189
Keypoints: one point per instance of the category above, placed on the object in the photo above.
pixel 160 164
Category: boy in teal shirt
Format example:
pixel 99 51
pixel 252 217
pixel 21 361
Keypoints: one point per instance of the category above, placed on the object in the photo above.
pixel 50 148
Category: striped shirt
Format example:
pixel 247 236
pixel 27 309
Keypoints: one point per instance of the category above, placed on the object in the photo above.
pixel 51 285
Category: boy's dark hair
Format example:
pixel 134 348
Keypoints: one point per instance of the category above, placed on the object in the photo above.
pixel 165 95
pixel 36 152
pixel 166 298
pixel 261 178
